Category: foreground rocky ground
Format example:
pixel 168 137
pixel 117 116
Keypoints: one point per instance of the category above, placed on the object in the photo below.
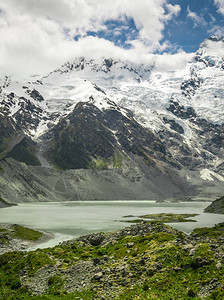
pixel 143 261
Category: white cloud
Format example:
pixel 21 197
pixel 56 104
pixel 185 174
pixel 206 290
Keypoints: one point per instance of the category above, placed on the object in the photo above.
pixel 198 21
pixel 172 62
pixel 37 35
pixel 217 31
pixel 162 63
pixel 220 4
pixel 173 10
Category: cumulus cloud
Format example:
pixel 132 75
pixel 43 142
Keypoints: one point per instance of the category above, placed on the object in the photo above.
pixel 198 21
pixel 220 5
pixel 38 35
pixel 172 62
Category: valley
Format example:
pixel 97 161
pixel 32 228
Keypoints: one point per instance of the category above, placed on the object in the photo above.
pixel 111 150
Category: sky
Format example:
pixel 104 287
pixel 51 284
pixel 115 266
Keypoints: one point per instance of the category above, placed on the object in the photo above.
pixel 37 36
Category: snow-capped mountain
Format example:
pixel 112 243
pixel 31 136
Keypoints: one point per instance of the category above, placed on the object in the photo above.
pixel 98 114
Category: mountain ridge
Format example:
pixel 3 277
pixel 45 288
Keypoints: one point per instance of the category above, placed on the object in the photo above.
pixel 172 119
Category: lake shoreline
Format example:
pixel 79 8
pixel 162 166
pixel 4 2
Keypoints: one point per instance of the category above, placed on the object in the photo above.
pixel 65 221
pixel 9 243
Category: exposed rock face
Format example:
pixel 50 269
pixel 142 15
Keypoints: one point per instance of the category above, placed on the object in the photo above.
pixel 9 132
pixel 154 129
pixel 28 116
pixel 210 137
pixel 35 95
pixel 217 207
pixel 90 133
pixel 25 151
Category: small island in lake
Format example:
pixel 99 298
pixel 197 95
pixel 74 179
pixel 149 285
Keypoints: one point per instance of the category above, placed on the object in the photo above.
pixel 162 217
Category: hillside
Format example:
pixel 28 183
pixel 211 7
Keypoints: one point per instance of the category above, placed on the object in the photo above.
pixel 144 261
pixel 4 203
pixel 216 207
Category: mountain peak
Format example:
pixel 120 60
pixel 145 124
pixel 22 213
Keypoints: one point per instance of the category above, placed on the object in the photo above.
pixel 91 108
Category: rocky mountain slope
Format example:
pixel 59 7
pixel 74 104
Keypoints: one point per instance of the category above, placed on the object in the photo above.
pixel 24 183
pixel 216 207
pixel 4 203
pixel 124 119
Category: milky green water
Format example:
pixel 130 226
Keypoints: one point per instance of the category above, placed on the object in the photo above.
pixel 72 219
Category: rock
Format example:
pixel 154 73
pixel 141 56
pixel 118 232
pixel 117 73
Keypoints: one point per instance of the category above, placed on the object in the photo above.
pixel 98 276
pixel 36 95
pixel 192 252
pixel 129 245
pixel 187 247
pixel 96 261
pixel 94 239
pixel 218 265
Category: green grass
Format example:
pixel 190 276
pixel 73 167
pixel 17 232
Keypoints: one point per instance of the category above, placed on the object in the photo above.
pixel 117 160
pixel 19 232
pixel 98 164
pixel 114 161
pixel 23 294
pixel 28 234
pixel 213 232
pixel 159 264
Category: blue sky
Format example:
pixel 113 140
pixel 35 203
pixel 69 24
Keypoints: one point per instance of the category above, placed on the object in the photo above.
pixel 187 32
pixel 196 21
pixel 38 36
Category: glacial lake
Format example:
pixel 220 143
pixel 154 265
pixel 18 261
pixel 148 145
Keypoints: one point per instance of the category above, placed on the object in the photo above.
pixel 67 220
